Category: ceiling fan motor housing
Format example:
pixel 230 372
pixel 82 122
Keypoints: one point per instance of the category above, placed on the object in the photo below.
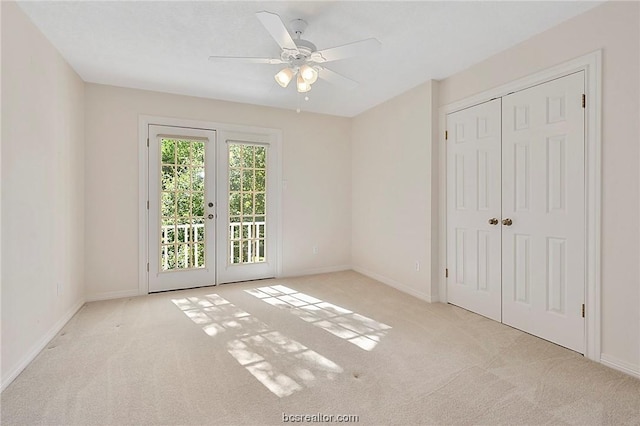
pixel 305 49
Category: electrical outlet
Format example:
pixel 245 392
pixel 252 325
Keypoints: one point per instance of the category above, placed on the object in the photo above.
pixel 315 250
pixel 417 266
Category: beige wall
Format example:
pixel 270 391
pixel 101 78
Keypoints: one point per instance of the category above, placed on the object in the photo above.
pixel 42 191
pixel 391 202
pixel 613 27
pixel 316 204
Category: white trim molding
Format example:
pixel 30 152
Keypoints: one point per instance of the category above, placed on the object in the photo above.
pixel 109 295
pixel 624 366
pixel 315 271
pixel 393 283
pixel 591 64
pixel 41 344
pixel 143 188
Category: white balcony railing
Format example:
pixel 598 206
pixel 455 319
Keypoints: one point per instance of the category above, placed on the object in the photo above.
pixel 246 230
pixel 250 231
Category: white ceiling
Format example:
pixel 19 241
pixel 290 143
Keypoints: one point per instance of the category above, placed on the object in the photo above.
pixel 164 46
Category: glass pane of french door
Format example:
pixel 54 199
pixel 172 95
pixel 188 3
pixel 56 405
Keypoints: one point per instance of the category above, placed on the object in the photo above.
pixel 247 202
pixel 181 208
pixel 182 204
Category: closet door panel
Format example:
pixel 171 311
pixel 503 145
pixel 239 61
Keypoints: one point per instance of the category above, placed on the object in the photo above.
pixel 473 199
pixel 544 219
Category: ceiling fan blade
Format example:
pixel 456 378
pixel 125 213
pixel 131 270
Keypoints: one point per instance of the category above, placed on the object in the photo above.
pixel 246 60
pixel 362 47
pixel 337 79
pixel 274 25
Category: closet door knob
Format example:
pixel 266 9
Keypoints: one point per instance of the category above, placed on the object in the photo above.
pixel 507 222
pixel 493 221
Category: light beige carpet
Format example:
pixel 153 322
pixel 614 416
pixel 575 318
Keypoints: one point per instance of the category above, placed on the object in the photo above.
pixel 332 344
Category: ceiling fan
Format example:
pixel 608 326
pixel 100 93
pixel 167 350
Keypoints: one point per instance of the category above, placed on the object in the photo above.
pixel 301 58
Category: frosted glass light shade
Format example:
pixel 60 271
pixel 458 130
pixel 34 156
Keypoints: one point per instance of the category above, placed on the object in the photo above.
pixel 303 86
pixel 284 77
pixel 309 74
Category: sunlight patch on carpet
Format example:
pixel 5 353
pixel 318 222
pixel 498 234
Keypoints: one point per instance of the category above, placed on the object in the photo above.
pixel 362 331
pixel 282 365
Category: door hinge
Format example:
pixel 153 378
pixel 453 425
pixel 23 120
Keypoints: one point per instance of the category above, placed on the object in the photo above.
pixel 147 142
pixel 147 267
pixel 584 101
pixel 446 135
pixel 446 273
pixel 147 204
pixel 583 310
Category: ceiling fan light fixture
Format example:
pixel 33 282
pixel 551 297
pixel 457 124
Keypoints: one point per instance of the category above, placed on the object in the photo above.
pixel 284 77
pixel 303 86
pixel 309 74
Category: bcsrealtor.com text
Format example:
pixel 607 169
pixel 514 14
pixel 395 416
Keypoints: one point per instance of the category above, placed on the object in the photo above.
pixel 320 418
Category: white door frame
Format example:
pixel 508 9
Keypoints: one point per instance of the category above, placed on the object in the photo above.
pixel 591 64
pixel 143 183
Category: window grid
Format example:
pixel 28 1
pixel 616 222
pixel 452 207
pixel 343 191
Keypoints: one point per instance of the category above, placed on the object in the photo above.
pixel 247 203
pixel 182 204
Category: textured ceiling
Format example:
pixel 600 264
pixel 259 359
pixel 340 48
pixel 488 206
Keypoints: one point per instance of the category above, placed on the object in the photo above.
pixel 164 46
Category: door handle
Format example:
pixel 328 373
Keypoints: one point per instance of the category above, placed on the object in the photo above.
pixel 507 222
pixel 493 221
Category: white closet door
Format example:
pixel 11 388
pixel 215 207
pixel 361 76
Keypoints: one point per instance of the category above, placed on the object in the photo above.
pixel 473 205
pixel 543 196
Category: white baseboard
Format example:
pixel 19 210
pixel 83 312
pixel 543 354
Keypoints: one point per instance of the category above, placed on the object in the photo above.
pixel 41 344
pixel 393 283
pixel 624 366
pixel 112 295
pixel 315 271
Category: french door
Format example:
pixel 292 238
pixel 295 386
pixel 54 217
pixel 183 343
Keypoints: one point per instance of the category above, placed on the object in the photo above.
pixel 211 207
pixel 247 192
pixel 516 221
pixel 182 208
